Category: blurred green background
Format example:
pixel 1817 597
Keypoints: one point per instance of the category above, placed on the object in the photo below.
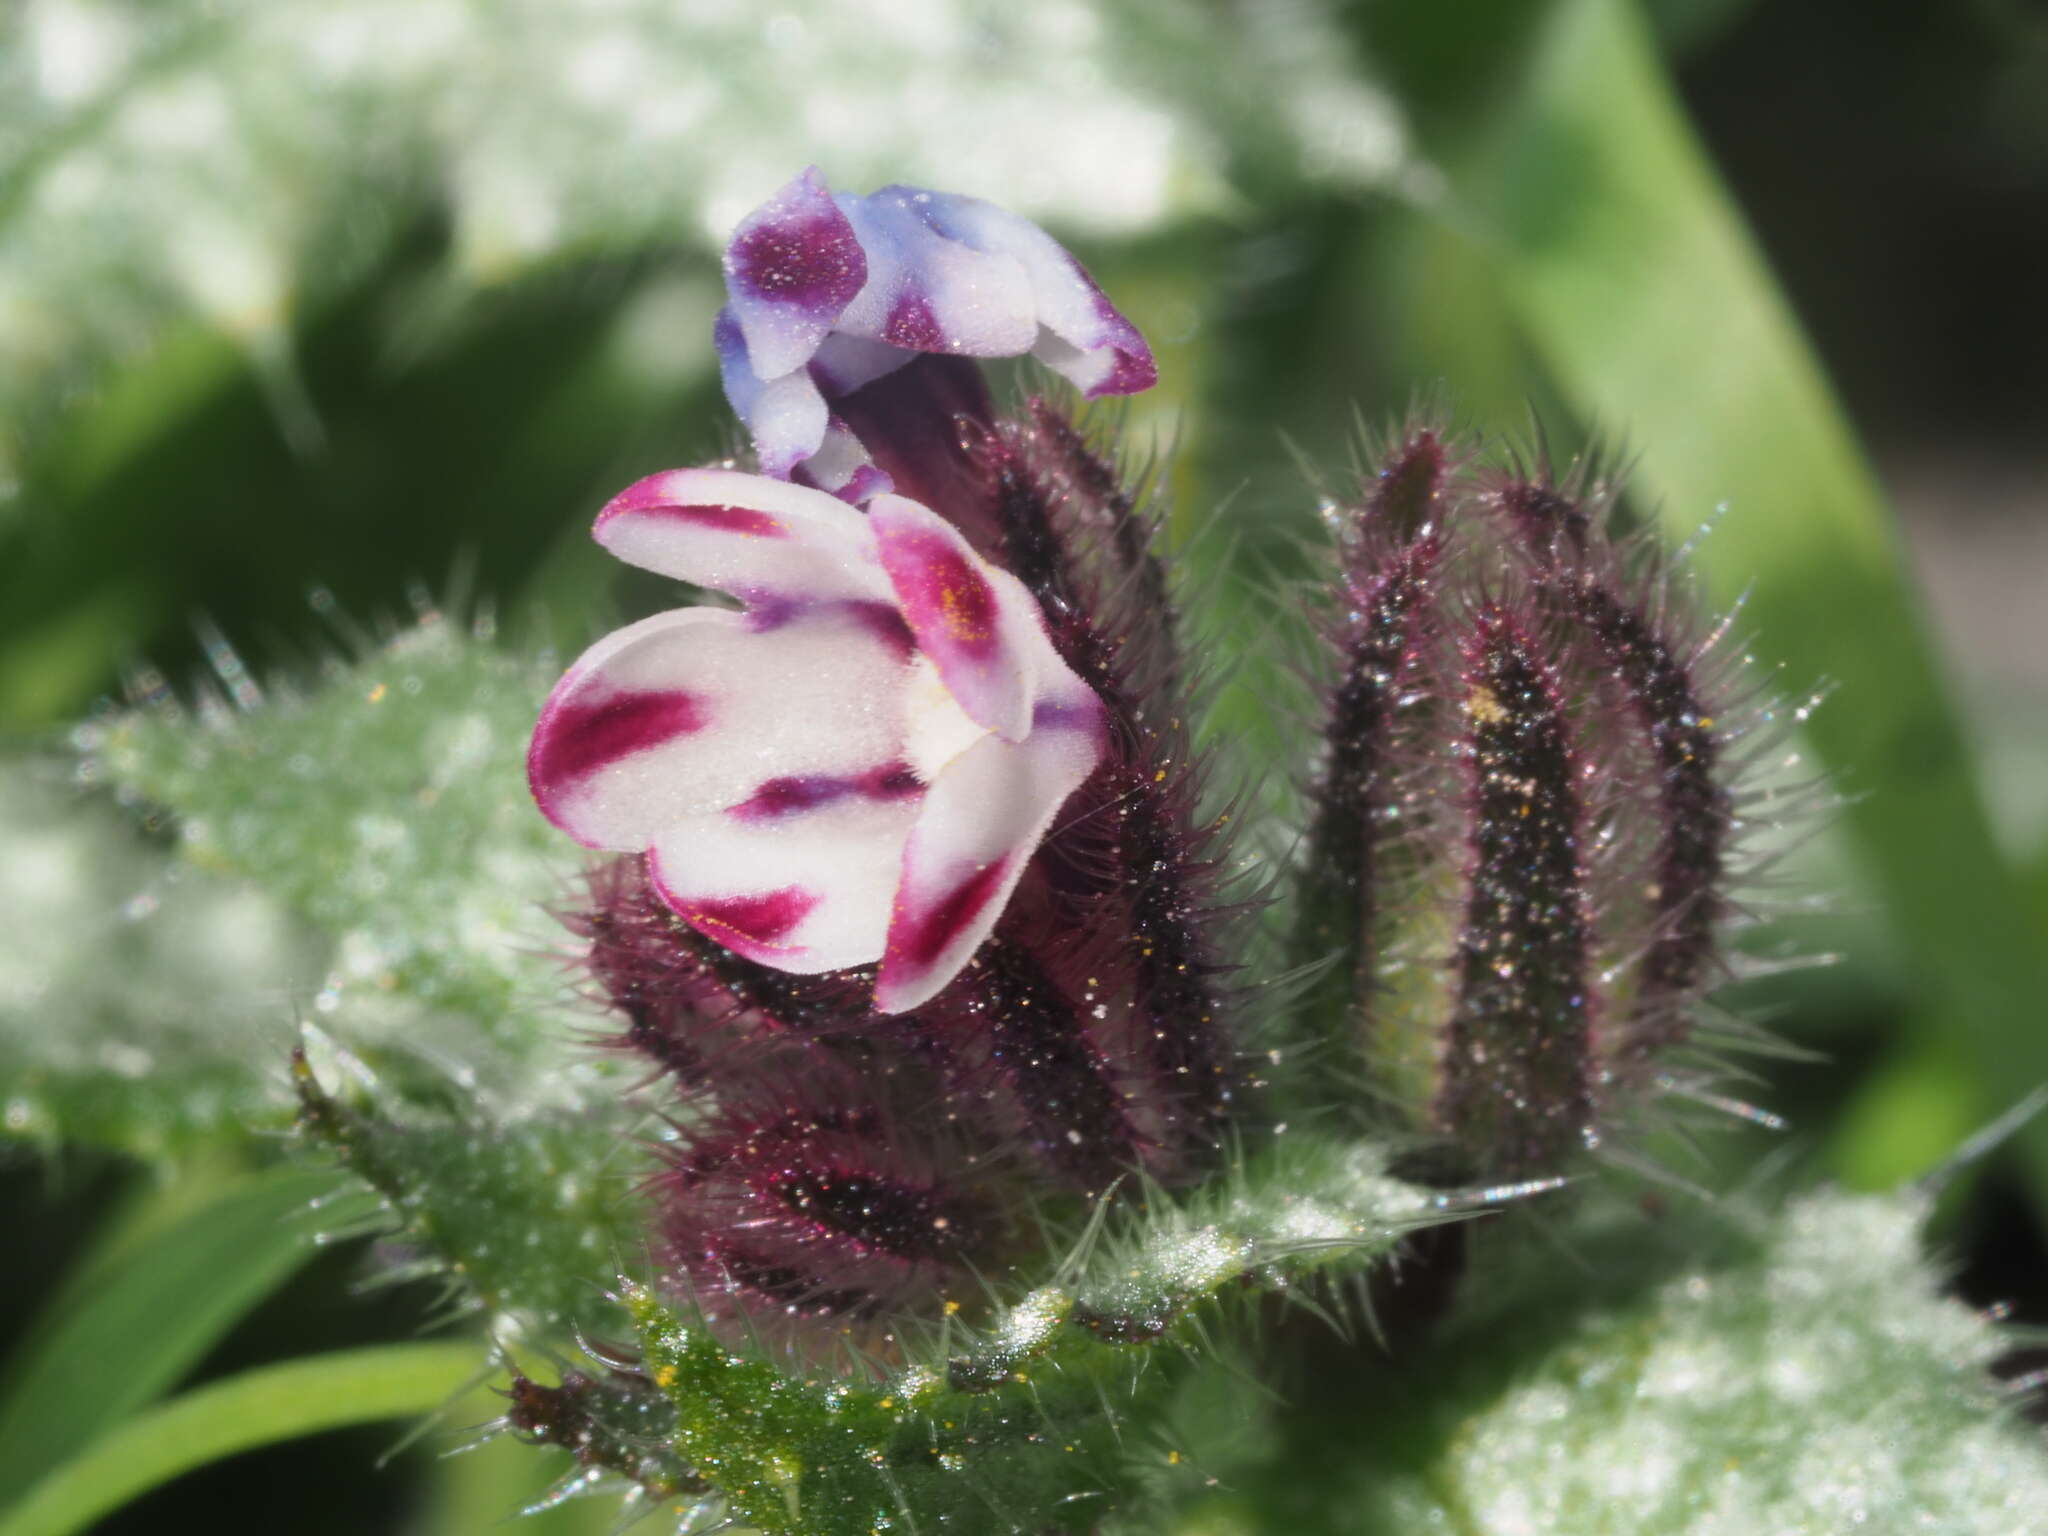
pixel 312 314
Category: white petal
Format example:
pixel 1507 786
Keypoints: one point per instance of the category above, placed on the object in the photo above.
pixel 1090 341
pixel 811 894
pixel 694 710
pixel 928 293
pixel 785 414
pixel 982 819
pixel 765 541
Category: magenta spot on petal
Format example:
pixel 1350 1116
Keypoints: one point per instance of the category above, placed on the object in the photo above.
pixel 1133 373
pixel 777 798
pixel 747 520
pixel 748 922
pixel 809 259
pixel 946 599
pixel 892 781
pixel 913 326
pixel 580 737
pixel 864 484
pixel 922 938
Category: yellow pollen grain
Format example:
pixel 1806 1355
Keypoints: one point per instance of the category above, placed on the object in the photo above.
pixel 952 1308
pixel 953 603
pixel 1482 706
pixel 377 693
pixel 665 1377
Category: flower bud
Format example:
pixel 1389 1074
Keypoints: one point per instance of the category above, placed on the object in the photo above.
pixel 1522 843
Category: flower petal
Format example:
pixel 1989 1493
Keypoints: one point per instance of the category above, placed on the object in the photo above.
pixel 766 541
pixel 793 266
pixel 845 363
pixel 696 710
pixel 929 293
pixel 979 625
pixel 785 416
pixel 979 824
pixel 843 467
pixel 807 894
pixel 1091 342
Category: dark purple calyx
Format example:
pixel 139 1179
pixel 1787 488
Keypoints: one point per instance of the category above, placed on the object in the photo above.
pixel 910 1221
pixel 825 1210
pixel 789 1288
pixel 921 425
pixel 1134 854
pixel 1393 551
pixel 1383 639
pixel 1684 892
pixel 1516 1092
pixel 1696 816
pixel 1097 501
pixel 1041 1049
pixel 1404 497
pixel 704 1015
pixel 1552 521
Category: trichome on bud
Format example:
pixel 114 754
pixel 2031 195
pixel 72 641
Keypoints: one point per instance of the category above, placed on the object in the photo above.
pixel 1518 874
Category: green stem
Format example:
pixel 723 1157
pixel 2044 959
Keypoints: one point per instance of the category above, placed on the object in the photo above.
pixel 259 1407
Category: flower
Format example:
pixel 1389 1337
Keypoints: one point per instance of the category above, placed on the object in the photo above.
pixel 856 767
pixel 829 293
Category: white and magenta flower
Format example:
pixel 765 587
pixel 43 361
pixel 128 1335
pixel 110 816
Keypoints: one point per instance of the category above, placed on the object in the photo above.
pixel 829 293
pixel 855 767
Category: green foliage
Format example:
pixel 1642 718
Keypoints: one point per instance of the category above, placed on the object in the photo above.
pixel 379 807
pixel 256 1408
pixel 364 854
pixel 1024 1424
pixel 139 997
pixel 139 1311
pixel 1810 1380
pixel 522 1216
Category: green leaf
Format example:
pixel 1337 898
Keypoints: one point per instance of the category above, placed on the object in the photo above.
pixel 1812 1378
pixel 388 806
pixel 1630 270
pixel 140 999
pixel 235 162
pixel 132 1322
pixel 524 1216
pixel 256 1408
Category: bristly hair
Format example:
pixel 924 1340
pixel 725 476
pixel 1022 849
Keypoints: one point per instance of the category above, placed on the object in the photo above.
pixel 1624 610
pixel 1392 551
pixel 709 1019
pixel 1523 959
pixel 1136 855
pixel 835 1172
pixel 1516 1075
pixel 828 1210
